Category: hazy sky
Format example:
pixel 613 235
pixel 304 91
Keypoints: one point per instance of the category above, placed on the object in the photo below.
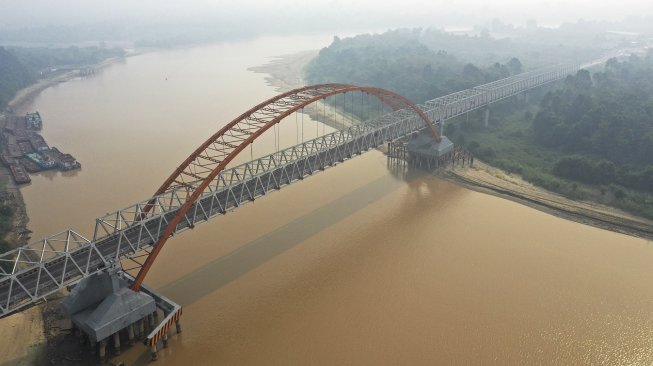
pixel 406 12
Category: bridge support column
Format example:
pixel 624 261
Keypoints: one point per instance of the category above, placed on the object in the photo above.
pixel 92 344
pixel 178 326
pixel 486 117
pixel 103 351
pixel 153 352
pixel 165 340
pixel 130 334
pixel 150 322
pixel 141 329
pixel 77 333
pixel 116 342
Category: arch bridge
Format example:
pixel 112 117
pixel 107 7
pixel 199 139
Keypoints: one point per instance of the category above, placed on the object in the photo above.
pixel 205 186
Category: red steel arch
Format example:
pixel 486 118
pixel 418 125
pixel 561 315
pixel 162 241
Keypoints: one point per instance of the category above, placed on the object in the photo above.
pixel 213 156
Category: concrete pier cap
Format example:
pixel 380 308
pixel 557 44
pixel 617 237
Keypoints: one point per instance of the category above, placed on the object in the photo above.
pixel 423 145
pixel 103 304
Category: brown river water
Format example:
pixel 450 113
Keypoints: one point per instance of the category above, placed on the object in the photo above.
pixel 357 265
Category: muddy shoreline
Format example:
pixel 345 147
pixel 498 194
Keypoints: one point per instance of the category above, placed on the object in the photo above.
pixel 487 179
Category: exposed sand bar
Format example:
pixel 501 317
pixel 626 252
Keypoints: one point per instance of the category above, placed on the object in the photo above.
pixel 487 179
pixel 286 72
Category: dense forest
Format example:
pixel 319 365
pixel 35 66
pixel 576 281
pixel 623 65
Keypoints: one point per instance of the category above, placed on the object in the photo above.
pixel 397 61
pixel 609 114
pixel 589 137
pixel 608 118
pixel 535 48
pixel 14 76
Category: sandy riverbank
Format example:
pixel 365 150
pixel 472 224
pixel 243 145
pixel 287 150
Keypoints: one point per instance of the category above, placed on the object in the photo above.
pixel 286 72
pixel 23 342
pixel 487 179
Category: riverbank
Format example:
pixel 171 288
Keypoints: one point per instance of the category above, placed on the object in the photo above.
pixel 24 342
pixel 26 95
pixel 37 333
pixel 286 72
pixel 488 179
pixel 11 195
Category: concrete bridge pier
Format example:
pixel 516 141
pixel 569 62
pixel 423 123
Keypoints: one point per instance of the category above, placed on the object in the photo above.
pixel 92 344
pixel 141 329
pixel 103 305
pixel 178 326
pixel 165 340
pixel 77 333
pixel 116 342
pixel 149 323
pixel 486 117
pixel 103 351
pixel 153 353
pixel 130 334
pixel 426 153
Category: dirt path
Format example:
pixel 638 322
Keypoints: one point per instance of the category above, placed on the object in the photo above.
pixel 484 178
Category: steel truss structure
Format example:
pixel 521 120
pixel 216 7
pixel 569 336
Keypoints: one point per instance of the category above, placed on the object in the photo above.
pixel 201 189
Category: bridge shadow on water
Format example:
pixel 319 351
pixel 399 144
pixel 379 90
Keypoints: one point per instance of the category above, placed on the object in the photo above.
pixel 421 189
pixel 248 257
pixel 231 266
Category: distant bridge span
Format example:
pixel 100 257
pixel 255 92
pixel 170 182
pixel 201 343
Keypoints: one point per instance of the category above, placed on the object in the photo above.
pixel 203 188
